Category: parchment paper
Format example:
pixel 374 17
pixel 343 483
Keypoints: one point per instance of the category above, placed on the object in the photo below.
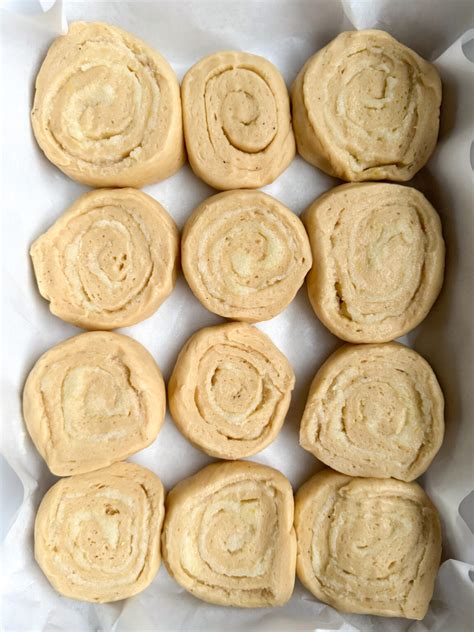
pixel 35 193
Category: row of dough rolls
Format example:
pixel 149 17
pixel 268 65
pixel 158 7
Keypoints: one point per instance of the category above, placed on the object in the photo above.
pixel 108 111
pixel 99 397
pixel 372 410
pixel 374 252
pixel 232 535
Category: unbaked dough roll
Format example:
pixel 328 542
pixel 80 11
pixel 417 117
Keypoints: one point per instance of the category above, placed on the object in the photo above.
pixel 244 255
pixel 366 107
pixel 97 535
pixel 230 390
pixel 107 108
pixel 109 261
pixel 92 400
pixel 228 536
pixel 366 545
pixel 236 115
pixel 374 410
pixel 378 260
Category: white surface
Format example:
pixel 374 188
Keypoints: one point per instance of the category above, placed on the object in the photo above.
pixel 34 195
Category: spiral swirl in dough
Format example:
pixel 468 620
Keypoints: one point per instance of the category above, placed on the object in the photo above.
pixel 107 109
pixel 365 107
pixel 228 536
pixel 374 410
pixel 244 255
pixel 109 261
pixel 366 545
pixel 378 260
pixel 97 535
pixel 237 126
pixel 92 400
pixel 230 390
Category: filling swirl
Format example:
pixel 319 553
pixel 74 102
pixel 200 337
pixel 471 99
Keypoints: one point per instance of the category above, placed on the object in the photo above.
pixel 109 261
pixel 237 122
pixel 367 545
pixel 230 390
pixel 103 109
pixel 228 535
pixel 378 256
pixel 233 537
pixel 365 107
pixel 241 115
pixel 97 535
pixel 245 255
pixel 93 400
pixel 378 260
pixel 372 108
pixel 375 410
pixel 107 108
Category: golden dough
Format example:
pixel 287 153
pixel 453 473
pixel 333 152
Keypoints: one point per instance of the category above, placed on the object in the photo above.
pixel 228 536
pixel 107 108
pixel 244 255
pixel 378 260
pixel 366 107
pixel 92 400
pixel 374 410
pixel 230 390
pixel 236 115
pixel 97 535
pixel 109 261
pixel 366 545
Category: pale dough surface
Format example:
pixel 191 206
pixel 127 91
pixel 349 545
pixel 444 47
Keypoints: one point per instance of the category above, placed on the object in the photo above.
pixel 92 400
pixel 366 545
pixel 109 261
pixel 97 535
pixel 366 107
pixel 244 255
pixel 230 390
pixel 228 536
pixel 237 125
pixel 374 410
pixel 378 260
pixel 107 108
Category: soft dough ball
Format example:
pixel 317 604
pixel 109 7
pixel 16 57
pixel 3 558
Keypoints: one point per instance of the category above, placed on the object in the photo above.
pixel 107 108
pixel 368 546
pixel 378 260
pixel 244 255
pixel 228 536
pixel 237 125
pixel 97 535
pixel 109 261
pixel 92 400
pixel 374 410
pixel 366 107
pixel 230 390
